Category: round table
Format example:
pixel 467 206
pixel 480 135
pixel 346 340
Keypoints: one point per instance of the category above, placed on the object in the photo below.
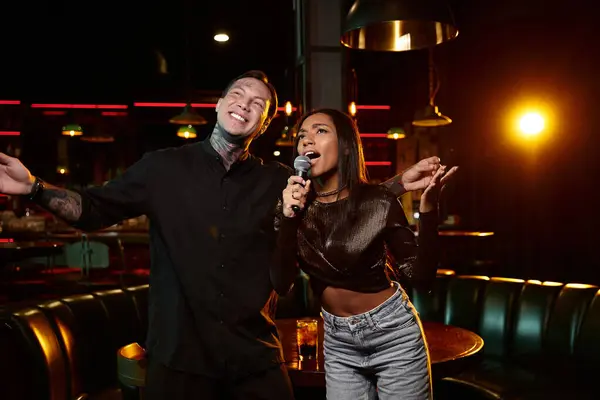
pixel 449 348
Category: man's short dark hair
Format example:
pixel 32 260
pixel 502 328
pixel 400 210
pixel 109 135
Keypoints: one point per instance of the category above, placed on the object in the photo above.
pixel 261 76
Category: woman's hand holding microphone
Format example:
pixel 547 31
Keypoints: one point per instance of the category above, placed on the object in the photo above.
pixel 295 195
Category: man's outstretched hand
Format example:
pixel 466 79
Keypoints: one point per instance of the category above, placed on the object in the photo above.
pixel 419 176
pixel 15 179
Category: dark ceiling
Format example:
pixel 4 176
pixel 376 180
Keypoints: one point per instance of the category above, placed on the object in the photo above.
pixel 116 49
pixel 71 51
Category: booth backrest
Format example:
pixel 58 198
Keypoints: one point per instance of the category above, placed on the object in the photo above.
pixel 61 349
pixel 65 348
pixel 525 320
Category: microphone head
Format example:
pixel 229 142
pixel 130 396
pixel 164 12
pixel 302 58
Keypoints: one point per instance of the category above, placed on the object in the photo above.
pixel 302 163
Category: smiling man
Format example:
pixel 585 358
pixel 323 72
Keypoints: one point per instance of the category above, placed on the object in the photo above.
pixel 211 206
pixel 244 112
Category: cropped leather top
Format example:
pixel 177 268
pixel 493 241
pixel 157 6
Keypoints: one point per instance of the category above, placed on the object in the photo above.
pixel 355 243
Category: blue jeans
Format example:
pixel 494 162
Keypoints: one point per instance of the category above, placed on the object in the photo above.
pixel 380 354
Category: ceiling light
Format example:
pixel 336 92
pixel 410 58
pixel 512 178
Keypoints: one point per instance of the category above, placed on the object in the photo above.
pixel 187 132
pixel 221 37
pixel 72 130
pixel 188 117
pixel 398 25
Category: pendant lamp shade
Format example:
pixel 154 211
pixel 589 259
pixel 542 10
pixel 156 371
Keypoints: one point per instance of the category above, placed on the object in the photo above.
pixel 72 130
pixel 398 25
pixel 188 117
pixel 187 132
pixel 430 117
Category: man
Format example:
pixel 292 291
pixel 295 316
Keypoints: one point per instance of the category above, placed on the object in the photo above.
pixel 211 206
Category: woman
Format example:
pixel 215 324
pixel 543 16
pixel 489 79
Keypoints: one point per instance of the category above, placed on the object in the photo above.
pixel 342 238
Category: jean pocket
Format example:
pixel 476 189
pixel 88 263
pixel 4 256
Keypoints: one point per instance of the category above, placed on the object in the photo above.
pixel 328 328
pixel 400 318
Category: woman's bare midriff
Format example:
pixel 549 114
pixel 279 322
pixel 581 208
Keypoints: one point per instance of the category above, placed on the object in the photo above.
pixel 345 303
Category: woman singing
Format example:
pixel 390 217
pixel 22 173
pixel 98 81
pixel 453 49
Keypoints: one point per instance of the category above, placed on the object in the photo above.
pixel 353 240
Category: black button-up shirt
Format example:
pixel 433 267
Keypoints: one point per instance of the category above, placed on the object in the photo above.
pixel 211 240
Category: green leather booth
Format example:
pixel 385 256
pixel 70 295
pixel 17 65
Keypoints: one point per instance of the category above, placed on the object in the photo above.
pixel 66 349
pixel 542 339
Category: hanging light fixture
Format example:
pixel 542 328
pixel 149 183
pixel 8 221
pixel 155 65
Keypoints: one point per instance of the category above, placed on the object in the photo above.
pixel 396 133
pixel 398 25
pixel 72 130
pixel 187 132
pixel 188 117
pixel 430 116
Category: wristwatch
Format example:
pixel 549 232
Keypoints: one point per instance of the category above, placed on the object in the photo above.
pixel 37 189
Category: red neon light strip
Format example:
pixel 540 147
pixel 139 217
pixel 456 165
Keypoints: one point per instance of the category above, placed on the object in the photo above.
pixel 54 112
pixel 210 105
pixel 373 107
pixel 10 133
pixel 85 106
pixel 114 113
pixel 6 240
pixel 373 135
pixel 159 104
pixel 196 105
pixel 378 163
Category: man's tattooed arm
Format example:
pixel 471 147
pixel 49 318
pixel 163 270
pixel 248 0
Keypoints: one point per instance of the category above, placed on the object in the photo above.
pixel 63 203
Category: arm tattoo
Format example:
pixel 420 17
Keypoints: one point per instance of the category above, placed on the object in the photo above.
pixel 63 203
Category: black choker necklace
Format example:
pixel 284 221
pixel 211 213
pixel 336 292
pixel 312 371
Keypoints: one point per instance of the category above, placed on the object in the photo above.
pixel 331 192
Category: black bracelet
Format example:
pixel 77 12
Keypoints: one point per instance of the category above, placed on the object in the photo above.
pixel 37 189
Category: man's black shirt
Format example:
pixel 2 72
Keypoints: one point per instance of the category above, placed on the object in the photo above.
pixel 211 241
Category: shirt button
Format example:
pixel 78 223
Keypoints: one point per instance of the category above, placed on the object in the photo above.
pixel 221 321
pixel 222 236
pixel 221 294
pixel 222 265
pixel 225 208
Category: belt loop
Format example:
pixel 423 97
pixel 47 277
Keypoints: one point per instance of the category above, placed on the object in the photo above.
pixel 370 320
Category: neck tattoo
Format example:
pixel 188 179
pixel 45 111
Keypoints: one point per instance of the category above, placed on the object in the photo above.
pixel 229 147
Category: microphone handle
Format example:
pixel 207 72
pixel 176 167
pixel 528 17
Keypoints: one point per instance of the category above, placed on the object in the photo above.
pixel 303 175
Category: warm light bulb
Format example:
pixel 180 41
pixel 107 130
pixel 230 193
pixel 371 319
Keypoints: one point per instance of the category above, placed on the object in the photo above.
pixel 221 37
pixel 288 108
pixel 352 109
pixel 531 124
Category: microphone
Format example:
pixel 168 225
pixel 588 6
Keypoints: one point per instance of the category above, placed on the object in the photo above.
pixel 302 166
